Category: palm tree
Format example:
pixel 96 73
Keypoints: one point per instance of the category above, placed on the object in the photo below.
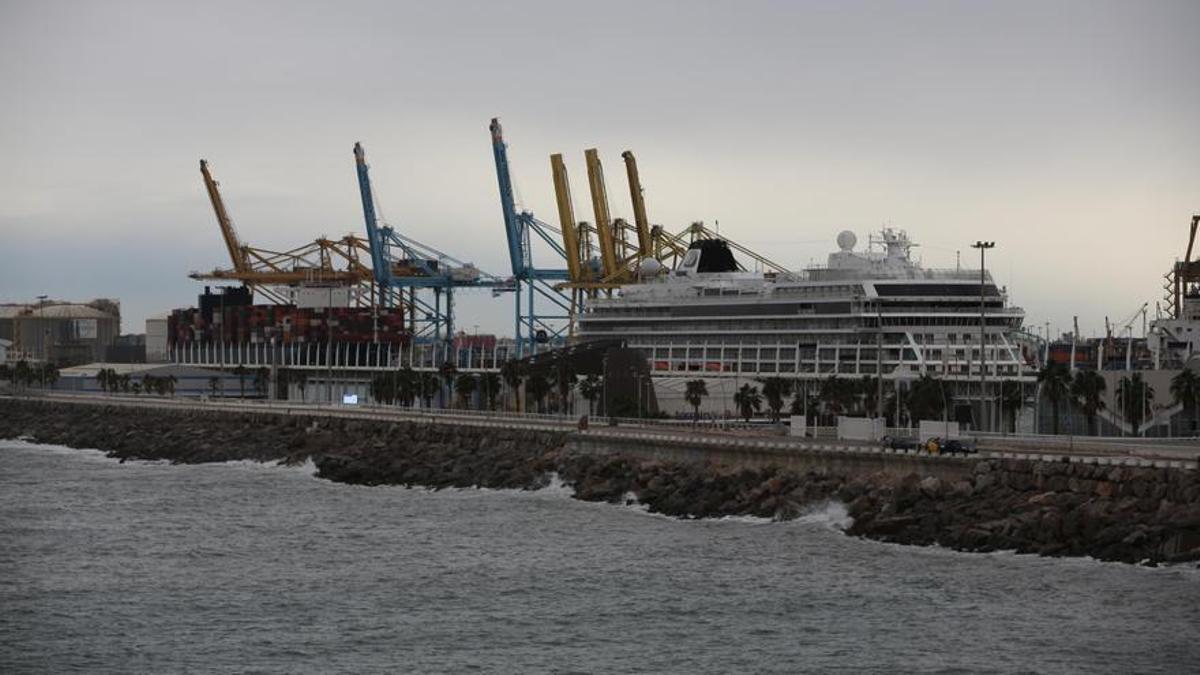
pixel 1185 390
pixel 465 385
pixel 448 370
pixel 1088 390
pixel 1134 396
pixel 510 372
pixel 1012 397
pixel 428 386
pixel 694 395
pixel 774 390
pixel 868 386
pixel 489 385
pixel 407 383
pixel 22 373
pixel 748 401
pixel 837 395
pixel 564 377
pixel 803 402
pixel 927 399
pixel 590 389
pixel 383 388
pixel 262 380
pixel 536 388
pixel 1056 386
pixel 49 375
pixel 241 372
pixel 300 377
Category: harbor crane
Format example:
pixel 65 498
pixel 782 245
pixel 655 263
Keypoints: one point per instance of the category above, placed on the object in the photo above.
pixel 403 268
pixel 1184 278
pixel 601 256
pixel 547 314
pixel 336 262
pixel 623 248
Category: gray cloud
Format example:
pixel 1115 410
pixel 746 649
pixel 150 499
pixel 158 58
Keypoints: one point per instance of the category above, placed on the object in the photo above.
pixel 1065 131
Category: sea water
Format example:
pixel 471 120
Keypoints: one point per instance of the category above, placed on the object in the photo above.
pixel 244 567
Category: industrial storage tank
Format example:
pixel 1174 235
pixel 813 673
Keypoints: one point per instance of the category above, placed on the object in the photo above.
pixel 65 333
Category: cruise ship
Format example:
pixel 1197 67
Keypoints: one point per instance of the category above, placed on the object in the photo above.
pixel 865 312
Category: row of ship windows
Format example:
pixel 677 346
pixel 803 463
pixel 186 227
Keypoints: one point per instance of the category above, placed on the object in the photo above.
pixel 849 353
pixel 779 325
pixel 716 341
pixel 788 309
pixel 830 368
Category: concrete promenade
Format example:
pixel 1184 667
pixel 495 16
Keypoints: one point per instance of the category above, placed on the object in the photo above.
pixel 681 442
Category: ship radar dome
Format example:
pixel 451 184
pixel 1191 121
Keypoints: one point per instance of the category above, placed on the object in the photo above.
pixel 649 267
pixel 846 240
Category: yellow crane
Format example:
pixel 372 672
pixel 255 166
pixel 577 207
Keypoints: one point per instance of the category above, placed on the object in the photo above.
pixel 645 245
pixel 237 254
pixel 323 261
pixel 609 261
pixel 576 258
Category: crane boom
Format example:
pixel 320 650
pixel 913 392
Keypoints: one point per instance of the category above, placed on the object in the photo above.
pixel 379 262
pixel 517 254
pixel 608 244
pixel 645 243
pixel 237 253
pixel 566 217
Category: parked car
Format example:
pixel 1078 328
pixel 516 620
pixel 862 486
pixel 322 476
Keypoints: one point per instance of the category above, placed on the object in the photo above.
pixel 949 446
pixel 899 443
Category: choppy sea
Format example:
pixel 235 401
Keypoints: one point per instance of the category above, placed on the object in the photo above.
pixel 243 567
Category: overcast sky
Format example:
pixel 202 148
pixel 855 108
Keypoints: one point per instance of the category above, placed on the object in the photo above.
pixel 1066 132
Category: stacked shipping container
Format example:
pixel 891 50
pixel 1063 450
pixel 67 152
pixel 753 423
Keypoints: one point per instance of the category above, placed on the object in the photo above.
pixel 287 324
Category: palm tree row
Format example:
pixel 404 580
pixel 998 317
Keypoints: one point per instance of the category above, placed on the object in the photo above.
pixel 406 386
pixel 1133 396
pixel 24 375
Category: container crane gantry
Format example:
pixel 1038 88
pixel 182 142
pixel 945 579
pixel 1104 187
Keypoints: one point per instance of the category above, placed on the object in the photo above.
pixel 323 261
pixel 403 267
pixel 1184 277
pixel 548 312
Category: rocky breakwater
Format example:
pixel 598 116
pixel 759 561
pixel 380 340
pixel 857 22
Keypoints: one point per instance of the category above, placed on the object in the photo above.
pixel 1050 508
pixel 1127 514
pixel 366 452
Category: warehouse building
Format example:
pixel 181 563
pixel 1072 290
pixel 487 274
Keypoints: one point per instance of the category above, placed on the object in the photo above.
pixel 189 381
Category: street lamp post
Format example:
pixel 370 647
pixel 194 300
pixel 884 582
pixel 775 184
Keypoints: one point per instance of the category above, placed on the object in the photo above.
pixel 45 336
pixel 983 246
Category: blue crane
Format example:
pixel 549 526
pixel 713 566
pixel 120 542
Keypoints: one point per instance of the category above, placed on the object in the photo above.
pixel 403 267
pixel 551 318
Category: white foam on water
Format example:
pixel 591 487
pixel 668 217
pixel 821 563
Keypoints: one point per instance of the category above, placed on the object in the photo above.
pixel 1010 556
pixel 831 514
pixel 306 467
pixel 556 487
pixel 745 520
pixel 23 443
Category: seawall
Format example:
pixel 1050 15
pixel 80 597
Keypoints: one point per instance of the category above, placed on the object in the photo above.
pixel 1129 514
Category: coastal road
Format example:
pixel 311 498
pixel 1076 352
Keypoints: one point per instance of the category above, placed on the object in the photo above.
pixel 1133 451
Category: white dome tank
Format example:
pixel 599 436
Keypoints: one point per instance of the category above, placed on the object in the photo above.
pixel 846 240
